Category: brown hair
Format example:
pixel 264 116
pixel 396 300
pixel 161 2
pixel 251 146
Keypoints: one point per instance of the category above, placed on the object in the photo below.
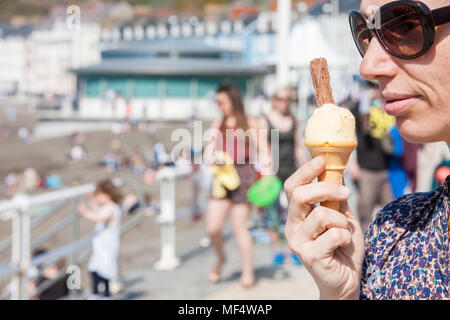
pixel 107 187
pixel 237 103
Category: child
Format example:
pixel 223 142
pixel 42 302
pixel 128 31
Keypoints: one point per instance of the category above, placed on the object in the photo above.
pixel 105 211
pixel 150 207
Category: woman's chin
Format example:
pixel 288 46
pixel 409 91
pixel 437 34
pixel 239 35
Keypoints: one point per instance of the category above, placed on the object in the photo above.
pixel 416 132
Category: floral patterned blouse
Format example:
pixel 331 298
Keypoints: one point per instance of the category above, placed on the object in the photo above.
pixel 407 248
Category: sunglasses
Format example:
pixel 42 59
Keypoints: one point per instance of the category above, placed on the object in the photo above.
pixel 280 99
pixel 405 29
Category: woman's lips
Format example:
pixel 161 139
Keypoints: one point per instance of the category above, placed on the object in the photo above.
pixel 395 106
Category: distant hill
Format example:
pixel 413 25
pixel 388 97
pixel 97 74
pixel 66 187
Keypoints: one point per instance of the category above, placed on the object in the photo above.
pixel 33 10
pixel 40 9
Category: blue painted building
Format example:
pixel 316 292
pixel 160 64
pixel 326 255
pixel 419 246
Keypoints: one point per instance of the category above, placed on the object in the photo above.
pixel 163 79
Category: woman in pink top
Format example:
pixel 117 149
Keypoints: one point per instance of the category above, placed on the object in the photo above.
pixel 237 135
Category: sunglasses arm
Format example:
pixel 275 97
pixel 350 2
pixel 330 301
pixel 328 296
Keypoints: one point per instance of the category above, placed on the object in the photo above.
pixel 441 15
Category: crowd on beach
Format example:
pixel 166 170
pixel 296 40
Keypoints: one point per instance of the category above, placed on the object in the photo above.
pixel 140 160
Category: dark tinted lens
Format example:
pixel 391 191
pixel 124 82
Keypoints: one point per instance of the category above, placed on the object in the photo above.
pixel 401 30
pixel 361 33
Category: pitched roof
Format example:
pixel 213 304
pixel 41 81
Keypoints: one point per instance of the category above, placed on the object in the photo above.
pixel 180 46
pixel 171 67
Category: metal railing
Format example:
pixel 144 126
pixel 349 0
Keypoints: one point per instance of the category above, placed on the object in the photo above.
pixel 22 208
pixel 6 243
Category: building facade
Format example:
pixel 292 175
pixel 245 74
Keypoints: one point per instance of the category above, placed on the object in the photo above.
pixel 165 80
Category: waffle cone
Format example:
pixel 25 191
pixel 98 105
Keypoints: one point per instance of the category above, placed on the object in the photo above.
pixel 336 157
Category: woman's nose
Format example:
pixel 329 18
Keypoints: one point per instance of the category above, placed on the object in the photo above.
pixel 377 62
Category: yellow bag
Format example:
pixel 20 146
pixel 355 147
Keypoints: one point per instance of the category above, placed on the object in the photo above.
pixel 380 122
pixel 225 175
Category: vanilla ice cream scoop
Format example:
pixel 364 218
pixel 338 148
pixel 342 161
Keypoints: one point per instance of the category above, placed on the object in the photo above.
pixel 330 125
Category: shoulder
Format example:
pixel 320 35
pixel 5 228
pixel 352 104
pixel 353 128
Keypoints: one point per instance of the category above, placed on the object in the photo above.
pixel 116 211
pixel 296 122
pixel 112 208
pixel 117 208
pixel 397 220
pixel 403 212
pixel 216 124
pixel 409 207
pixel 409 212
pixel 253 122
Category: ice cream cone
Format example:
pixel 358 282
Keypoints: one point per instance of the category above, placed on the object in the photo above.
pixel 336 157
pixel 330 131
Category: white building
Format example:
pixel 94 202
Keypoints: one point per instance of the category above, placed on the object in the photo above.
pixel 13 61
pixel 54 51
pixel 38 62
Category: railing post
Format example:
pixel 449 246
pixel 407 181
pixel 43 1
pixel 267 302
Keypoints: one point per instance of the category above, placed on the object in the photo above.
pixel 20 251
pixel 75 230
pixel 168 260
pixel 15 255
pixel 74 238
pixel 196 176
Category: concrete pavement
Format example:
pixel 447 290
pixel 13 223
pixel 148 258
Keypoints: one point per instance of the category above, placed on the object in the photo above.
pixel 189 281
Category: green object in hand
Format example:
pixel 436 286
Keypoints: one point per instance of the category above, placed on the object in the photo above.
pixel 265 191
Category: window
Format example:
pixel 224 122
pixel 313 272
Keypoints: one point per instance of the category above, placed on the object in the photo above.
pixel 119 85
pixel 92 87
pixel 146 88
pixel 178 87
pixel 209 85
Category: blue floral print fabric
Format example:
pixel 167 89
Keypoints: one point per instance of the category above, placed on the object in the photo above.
pixel 407 248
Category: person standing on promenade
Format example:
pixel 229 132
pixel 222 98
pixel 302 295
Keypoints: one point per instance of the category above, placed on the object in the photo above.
pixel 282 120
pixel 104 209
pixel 232 147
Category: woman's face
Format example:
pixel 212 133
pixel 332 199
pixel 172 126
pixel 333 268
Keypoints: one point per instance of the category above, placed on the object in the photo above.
pixel 102 198
pixel 224 103
pixel 281 101
pixel 417 91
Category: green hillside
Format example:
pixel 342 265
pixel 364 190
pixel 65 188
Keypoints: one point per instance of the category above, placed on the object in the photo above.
pixel 39 9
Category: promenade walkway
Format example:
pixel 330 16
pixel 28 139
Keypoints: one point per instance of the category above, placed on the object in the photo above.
pixel 189 281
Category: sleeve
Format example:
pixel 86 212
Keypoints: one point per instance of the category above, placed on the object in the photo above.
pixel 363 293
pixel 370 241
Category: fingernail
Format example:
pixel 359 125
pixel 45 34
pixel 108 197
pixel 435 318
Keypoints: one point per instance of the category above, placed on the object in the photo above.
pixel 344 191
